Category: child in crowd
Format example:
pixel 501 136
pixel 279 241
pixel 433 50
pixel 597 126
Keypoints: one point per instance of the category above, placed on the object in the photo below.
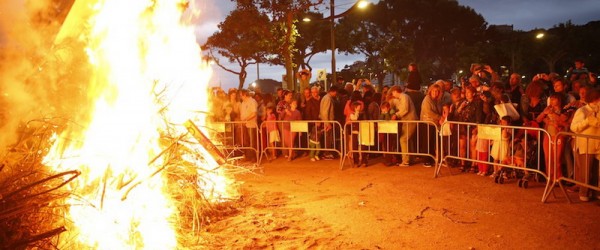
pixel 444 118
pixel 272 131
pixel 314 142
pixel 289 137
pixel 518 158
pixel 501 148
pixel 446 131
pixel 387 141
pixel 554 122
pixel 355 116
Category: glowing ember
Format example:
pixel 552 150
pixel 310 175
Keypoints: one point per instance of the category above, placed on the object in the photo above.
pixel 148 79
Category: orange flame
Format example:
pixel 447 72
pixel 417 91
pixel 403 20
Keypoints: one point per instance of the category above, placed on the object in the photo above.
pixel 148 79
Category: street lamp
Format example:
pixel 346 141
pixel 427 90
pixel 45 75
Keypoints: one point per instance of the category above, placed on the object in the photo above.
pixel 539 35
pixel 361 4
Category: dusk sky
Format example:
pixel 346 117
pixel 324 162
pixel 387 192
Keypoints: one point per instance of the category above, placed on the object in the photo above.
pixel 523 14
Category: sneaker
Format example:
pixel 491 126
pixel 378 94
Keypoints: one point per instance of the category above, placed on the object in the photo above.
pixel 313 159
pixel 584 198
pixel 427 164
pixel 404 164
pixel 317 158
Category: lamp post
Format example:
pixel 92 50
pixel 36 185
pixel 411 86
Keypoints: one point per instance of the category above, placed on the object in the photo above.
pixel 332 33
pixel 361 4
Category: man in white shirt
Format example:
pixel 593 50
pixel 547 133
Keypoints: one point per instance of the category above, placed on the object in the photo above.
pixel 248 109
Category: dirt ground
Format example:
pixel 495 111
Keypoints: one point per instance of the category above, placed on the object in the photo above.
pixel 315 205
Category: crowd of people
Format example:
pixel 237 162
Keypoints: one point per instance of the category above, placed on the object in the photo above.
pixel 550 102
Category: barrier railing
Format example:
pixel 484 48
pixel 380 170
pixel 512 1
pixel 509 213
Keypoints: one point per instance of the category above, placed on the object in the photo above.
pixel 584 151
pixel 320 138
pixel 517 148
pixel 235 139
pixel 391 139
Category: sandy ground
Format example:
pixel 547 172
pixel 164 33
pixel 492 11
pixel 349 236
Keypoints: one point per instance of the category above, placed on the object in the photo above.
pixel 303 204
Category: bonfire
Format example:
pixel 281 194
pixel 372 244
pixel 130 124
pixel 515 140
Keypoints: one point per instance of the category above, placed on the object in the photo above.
pixel 130 167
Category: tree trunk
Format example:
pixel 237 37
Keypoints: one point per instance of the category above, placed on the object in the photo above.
pixel 242 77
pixel 287 51
pixel 380 79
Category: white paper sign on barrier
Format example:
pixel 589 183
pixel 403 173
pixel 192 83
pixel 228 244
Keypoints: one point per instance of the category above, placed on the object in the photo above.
pixel 367 133
pixel 387 127
pixel 301 127
pixel 489 132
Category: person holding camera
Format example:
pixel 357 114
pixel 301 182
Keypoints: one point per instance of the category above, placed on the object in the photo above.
pixel 303 77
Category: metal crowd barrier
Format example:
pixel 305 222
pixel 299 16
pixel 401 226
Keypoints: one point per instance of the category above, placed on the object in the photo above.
pixel 322 137
pixel 386 137
pixel 528 140
pixel 583 164
pixel 235 140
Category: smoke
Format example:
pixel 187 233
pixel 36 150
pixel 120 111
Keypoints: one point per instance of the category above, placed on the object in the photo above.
pixel 31 74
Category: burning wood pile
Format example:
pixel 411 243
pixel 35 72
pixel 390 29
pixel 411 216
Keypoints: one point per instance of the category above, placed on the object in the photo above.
pixel 126 165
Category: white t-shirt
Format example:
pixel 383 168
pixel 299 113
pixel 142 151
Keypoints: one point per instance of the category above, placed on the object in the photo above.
pixel 247 108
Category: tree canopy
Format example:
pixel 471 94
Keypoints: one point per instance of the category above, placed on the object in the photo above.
pixel 239 42
pixel 441 36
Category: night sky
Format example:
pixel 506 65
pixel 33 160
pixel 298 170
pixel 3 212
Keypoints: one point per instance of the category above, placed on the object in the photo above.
pixel 523 14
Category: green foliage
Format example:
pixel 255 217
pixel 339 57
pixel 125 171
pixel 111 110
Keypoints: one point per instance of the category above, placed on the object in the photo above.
pixel 522 52
pixel 313 38
pixel 284 14
pixel 239 42
pixel 432 33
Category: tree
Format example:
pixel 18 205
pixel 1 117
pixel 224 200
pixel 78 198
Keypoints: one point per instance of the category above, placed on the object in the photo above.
pixel 433 33
pixel 554 52
pixel 313 38
pixel 382 42
pixel 240 42
pixel 284 15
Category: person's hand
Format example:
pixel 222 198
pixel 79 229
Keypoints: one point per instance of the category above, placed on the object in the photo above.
pixel 487 68
pixel 592 78
pixel 327 127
